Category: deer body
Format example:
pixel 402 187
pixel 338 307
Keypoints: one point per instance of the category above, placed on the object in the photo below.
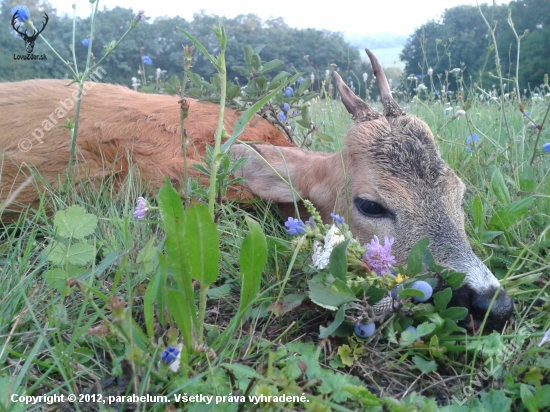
pixel 389 179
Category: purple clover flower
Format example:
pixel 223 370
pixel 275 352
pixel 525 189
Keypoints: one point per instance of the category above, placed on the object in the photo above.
pixel 146 60
pixel 379 257
pixel 141 209
pixel 169 355
pixel 337 218
pixel 295 226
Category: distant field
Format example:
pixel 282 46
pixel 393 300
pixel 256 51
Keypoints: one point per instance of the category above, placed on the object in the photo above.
pixel 388 57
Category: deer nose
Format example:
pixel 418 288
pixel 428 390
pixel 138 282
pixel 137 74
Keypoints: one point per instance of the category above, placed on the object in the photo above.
pixel 477 302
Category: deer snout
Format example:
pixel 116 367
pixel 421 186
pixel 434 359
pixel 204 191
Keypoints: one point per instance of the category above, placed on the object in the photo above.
pixel 477 301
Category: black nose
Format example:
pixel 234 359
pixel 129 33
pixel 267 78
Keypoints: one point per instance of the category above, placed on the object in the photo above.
pixel 478 301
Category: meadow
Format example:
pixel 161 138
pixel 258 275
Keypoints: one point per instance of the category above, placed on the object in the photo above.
pixel 96 302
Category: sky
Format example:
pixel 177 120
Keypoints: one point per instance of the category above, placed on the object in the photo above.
pixel 395 16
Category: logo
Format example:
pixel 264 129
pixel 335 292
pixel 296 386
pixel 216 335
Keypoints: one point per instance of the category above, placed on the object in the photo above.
pixel 29 40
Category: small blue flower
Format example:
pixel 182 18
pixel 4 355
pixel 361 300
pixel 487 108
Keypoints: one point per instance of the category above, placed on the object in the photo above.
pixel 300 80
pixel 282 117
pixel 337 218
pixel 285 107
pixel 310 222
pixel 295 226
pixel 169 355
pixel 474 138
pixel 295 113
pixel 418 77
pixel 146 60
pixel 22 13
pixel 436 92
pixel 449 92
pixel 289 92
pixel 546 147
pixel 528 113
pixel 350 79
pixel 86 42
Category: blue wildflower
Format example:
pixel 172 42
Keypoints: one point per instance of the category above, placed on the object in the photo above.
pixel 295 113
pixel 418 77
pixel 282 117
pixel 22 12
pixel 289 92
pixel 436 92
pixel 141 209
pixel 310 222
pixel 528 113
pixel 295 226
pixel 449 92
pixel 146 60
pixel 337 218
pixel 285 107
pixel 300 80
pixel 86 42
pixel 350 79
pixel 546 147
pixel 474 138
pixel 169 355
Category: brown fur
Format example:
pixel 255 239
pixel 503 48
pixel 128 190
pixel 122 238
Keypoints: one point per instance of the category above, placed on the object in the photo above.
pixel 114 122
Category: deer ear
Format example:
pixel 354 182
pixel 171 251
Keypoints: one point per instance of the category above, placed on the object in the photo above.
pixel 272 172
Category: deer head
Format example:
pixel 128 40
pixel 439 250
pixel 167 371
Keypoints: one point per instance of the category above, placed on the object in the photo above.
pixel 389 180
pixel 29 40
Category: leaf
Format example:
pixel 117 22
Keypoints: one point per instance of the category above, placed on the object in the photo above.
pixel 146 256
pixel 527 179
pixel 339 261
pixel 173 219
pixel 56 279
pixel 490 235
pixel 495 400
pixel 252 259
pixel 374 295
pixel 533 377
pixel 498 185
pixel 508 215
pixel 178 306
pixel 286 304
pixel 326 297
pixel 74 222
pixel 423 365
pixel 542 397
pixel 304 85
pixel 442 299
pixel 414 263
pixel 338 319
pixel 425 328
pixel 271 65
pixel 477 215
pixel 249 114
pixel 199 46
pixel 344 352
pixel 453 279
pixel 408 337
pixel 528 398
pixel 203 250
pixel 149 303
pixel 454 313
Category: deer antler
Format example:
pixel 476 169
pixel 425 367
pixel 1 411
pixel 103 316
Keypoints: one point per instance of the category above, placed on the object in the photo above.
pixel 46 19
pixel 391 108
pixel 360 110
pixel 13 19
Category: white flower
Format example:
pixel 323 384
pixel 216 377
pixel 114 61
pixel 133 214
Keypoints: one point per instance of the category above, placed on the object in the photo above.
pixel 312 77
pixel 430 71
pixel 365 77
pixel 545 338
pixel 159 71
pixel 455 70
pixel 459 113
pixel 327 73
pixel 321 254
pixel 421 86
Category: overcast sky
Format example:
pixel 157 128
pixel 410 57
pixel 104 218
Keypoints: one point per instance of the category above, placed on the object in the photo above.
pixel 397 16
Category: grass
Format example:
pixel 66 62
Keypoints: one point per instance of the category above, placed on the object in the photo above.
pixel 75 338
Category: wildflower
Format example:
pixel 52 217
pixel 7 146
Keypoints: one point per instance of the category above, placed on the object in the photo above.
pixel 22 13
pixel 449 92
pixel 455 70
pixel 312 77
pixel 422 86
pixel 310 222
pixel 321 254
pixel 379 257
pixel 546 147
pixel 282 117
pixel 418 77
pixel 545 338
pixel 135 83
pixel 459 113
pixel 436 93
pixel 139 72
pixel 350 79
pixel 337 218
pixel 140 16
pixel 285 107
pixel 365 77
pixel 146 60
pixel 300 80
pixel 430 71
pixel 141 208
pixel 169 355
pixel 327 73
pixel 295 226
pixel 86 42
pixel 528 113
pixel 474 138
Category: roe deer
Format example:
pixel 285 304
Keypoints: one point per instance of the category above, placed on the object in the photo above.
pixel 390 168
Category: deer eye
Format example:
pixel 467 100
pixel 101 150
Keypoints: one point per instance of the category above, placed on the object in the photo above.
pixel 369 208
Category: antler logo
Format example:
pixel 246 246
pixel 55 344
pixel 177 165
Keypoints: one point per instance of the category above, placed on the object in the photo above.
pixel 29 40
